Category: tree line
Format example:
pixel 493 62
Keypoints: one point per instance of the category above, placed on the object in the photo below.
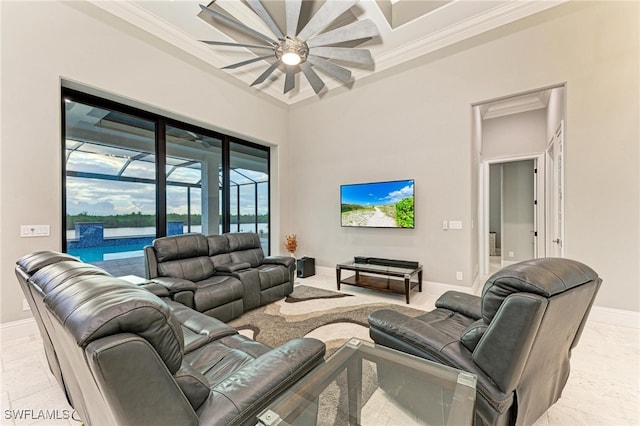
pixel 139 220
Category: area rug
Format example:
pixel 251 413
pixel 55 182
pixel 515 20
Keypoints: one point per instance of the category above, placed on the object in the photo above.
pixel 314 312
pixel 330 316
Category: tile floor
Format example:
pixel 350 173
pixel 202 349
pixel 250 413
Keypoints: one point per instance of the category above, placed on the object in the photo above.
pixel 603 388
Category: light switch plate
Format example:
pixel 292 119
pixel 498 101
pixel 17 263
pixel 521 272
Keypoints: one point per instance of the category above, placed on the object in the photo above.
pixel 34 230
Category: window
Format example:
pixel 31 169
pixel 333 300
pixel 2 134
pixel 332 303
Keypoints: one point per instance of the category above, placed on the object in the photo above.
pixel 116 200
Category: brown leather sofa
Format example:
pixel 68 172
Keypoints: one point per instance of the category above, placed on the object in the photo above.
pixel 516 338
pixel 220 275
pixel 129 355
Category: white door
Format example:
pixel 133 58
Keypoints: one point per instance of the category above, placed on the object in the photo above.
pixel 555 194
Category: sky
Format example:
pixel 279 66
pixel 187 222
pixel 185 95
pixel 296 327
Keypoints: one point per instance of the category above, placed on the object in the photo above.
pixel 376 194
pixel 104 197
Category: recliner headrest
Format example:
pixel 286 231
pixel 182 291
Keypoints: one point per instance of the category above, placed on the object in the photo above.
pixel 545 277
pixel 218 244
pixel 178 247
pixel 243 240
pixel 35 261
pixel 50 276
pixel 92 306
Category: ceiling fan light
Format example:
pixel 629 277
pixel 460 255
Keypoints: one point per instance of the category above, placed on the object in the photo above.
pixel 291 58
pixel 291 51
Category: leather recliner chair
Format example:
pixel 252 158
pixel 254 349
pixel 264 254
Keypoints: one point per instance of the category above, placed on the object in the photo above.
pixel 517 337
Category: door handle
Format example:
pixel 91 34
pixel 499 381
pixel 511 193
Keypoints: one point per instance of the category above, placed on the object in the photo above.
pixel 557 241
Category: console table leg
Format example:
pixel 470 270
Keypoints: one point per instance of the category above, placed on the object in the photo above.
pixel 420 281
pixel 338 270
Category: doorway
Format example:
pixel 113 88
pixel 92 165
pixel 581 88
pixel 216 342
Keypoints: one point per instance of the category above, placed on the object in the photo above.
pixel 519 141
pixel 512 210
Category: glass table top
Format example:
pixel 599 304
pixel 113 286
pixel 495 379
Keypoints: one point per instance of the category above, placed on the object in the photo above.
pixel 363 383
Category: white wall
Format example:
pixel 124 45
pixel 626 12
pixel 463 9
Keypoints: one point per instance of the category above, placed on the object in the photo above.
pixel 514 135
pixel 415 122
pixel 45 42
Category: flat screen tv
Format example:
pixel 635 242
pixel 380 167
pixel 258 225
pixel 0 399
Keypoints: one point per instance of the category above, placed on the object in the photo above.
pixel 378 204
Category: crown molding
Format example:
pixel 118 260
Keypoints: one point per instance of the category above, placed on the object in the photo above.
pixel 485 20
pixel 502 14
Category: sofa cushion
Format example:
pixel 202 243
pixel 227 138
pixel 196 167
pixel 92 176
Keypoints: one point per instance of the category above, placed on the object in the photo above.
pixel 180 247
pixel 193 269
pixel 245 247
pixel 198 329
pixel 217 291
pixel 94 306
pixel 219 249
pixel 272 275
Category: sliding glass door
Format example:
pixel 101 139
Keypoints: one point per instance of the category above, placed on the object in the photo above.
pixel 194 161
pixel 130 176
pixel 249 190
pixel 110 191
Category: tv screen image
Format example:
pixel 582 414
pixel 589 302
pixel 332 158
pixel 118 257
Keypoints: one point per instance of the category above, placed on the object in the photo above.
pixel 378 204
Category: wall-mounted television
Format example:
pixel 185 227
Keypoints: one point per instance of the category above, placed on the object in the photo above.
pixel 378 204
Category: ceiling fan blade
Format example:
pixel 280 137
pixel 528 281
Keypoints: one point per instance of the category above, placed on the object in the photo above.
pixel 289 80
pixel 258 8
pixel 247 62
pixel 315 80
pixel 329 11
pixel 357 56
pixel 210 16
pixel 267 72
pixel 226 43
pixel 336 71
pixel 354 31
pixel 292 10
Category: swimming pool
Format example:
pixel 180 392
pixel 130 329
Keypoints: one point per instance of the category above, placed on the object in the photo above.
pixel 102 253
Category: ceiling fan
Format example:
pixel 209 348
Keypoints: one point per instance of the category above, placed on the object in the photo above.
pixel 310 48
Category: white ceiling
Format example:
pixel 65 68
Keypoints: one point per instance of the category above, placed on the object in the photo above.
pixel 408 29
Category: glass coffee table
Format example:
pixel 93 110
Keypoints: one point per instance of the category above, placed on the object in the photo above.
pixel 367 384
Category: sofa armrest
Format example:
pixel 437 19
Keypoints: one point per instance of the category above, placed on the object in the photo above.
pixel 287 261
pixel 175 285
pixel 233 267
pixel 464 303
pixel 243 394
pixel 155 288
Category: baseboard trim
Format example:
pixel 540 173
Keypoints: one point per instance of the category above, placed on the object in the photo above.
pixel 600 314
pixel 617 317
pixel 17 329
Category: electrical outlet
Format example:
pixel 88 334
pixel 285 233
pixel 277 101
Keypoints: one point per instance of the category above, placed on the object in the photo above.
pixel 445 224
pixel 455 224
pixel 459 276
pixel 511 254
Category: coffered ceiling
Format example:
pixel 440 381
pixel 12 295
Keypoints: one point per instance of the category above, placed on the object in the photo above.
pixel 408 29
